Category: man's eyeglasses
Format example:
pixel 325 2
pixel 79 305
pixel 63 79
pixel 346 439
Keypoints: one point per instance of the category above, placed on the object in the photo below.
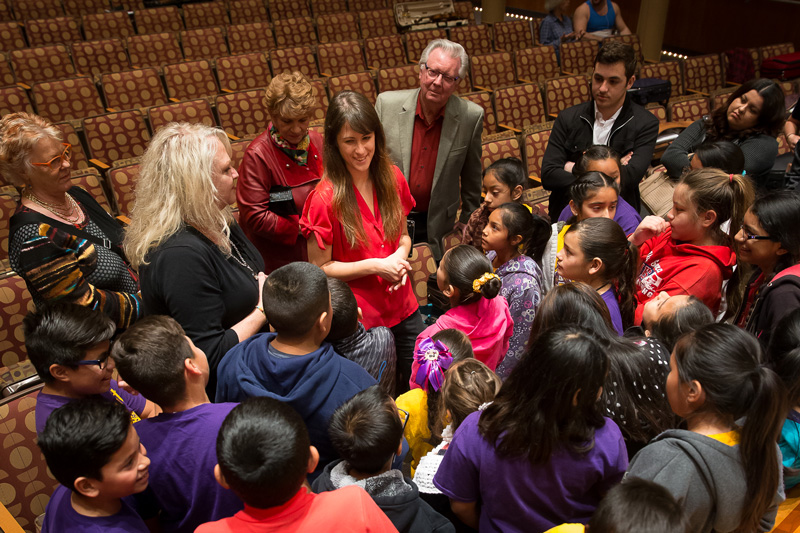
pixel 101 363
pixel 433 74
pixel 58 160
pixel 750 237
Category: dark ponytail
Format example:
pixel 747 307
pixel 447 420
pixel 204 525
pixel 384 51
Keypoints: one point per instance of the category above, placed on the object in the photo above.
pixel 534 230
pixel 464 265
pixel 726 361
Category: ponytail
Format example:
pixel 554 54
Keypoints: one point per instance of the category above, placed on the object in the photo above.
pixel 469 271
pixel 534 230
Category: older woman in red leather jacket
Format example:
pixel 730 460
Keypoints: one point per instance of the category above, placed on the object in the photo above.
pixel 280 168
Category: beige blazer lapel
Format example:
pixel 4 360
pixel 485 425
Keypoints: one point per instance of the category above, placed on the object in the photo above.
pixel 450 126
pixel 405 123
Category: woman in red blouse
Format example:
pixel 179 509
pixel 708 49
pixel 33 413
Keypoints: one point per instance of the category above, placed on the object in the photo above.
pixel 355 223
pixel 280 168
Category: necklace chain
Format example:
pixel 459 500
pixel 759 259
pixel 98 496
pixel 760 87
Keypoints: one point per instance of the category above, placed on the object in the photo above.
pixel 239 258
pixel 72 213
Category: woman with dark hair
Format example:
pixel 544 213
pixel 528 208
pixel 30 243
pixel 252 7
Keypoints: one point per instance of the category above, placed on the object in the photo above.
pixel 751 118
pixel 355 223
pixel 723 155
pixel 667 317
pixel 769 239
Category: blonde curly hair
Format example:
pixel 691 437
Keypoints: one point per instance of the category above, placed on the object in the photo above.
pixel 289 95
pixel 19 133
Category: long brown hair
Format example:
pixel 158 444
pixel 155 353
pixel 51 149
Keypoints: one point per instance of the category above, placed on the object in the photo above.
pixel 353 109
pixel 770 120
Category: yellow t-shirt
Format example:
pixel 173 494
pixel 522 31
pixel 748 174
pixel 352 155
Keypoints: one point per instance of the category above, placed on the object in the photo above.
pixel 731 438
pixel 567 528
pixel 416 433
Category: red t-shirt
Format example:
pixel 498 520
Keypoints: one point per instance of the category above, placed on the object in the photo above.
pixel 379 306
pixel 347 510
pixel 424 150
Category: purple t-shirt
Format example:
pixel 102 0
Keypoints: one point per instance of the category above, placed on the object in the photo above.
pixel 610 298
pixel 626 216
pixel 182 451
pixel 519 496
pixel 47 403
pixel 60 517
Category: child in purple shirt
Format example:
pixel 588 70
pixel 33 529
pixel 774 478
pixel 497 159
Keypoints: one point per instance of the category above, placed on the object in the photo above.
pixel 97 465
pixel 155 357
pixel 541 454
pixel 68 345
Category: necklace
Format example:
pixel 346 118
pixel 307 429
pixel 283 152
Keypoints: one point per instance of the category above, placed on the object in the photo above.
pixel 239 258
pixel 72 213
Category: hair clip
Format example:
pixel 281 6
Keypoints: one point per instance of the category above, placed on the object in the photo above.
pixel 433 358
pixel 481 281
pixel 483 406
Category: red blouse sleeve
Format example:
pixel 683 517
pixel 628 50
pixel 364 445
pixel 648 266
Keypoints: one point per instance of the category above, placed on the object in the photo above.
pixel 318 216
pixel 405 193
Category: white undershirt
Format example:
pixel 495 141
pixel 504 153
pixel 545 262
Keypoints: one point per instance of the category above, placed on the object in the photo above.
pixel 602 128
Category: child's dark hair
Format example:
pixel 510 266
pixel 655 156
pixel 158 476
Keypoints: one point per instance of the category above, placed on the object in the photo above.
pixel 80 437
pixel 295 295
pixel 586 187
pixel 669 328
pixel 604 239
pixel 596 152
pixel 366 430
pixel 638 505
pixel 534 230
pixel 510 172
pixel 469 384
pixel 263 451
pixel 723 155
pixel 345 310
pixel 150 356
pixel 783 354
pixel 575 304
pixel 464 265
pixel 60 334
pixel 726 361
pixel 728 195
pixel 537 417
pixel 770 119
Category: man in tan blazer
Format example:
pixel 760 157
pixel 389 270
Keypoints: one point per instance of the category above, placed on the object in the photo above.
pixel 435 139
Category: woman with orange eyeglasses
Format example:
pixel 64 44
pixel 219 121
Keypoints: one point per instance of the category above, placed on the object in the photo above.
pixel 63 244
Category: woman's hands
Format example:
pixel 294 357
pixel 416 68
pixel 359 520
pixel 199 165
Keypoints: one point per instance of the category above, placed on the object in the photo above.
pixel 648 228
pixel 394 268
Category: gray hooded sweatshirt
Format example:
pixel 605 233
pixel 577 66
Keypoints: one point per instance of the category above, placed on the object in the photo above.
pixel 704 475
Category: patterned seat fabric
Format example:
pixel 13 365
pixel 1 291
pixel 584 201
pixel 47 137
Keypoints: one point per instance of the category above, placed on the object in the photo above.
pixel 492 71
pixel 158 20
pixel 452 239
pixel 398 78
pixel 561 93
pixel 338 59
pixel 11 374
pixel 29 482
pixel 14 99
pixel 537 27
pixel 422 266
pixel 69 99
pixel 189 80
pixel 376 22
pixel 37 9
pixel 11 37
pixel 94 58
pixel 689 108
pixel 79 160
pixel 78 8
pixel 6 73
pixel 32 65
pixel 5 11
pixel 328 7
pixel 154 50
pixel 254 37
pixel 465 10
pixel 192 111
pixel 116 136
pixel 512 35
pixel 133 89
pixel 776 50
pixel 484 99
pixel 127 5
pixel 61 30
pixel 115 25
pixel 658 111
pixel 476 40
pixel 366 5
pixel 537 64
pixel 385 52
pixel 578 57
pixel 8 204
pixel 203 43
pixel 286 9
pixel 321 100
pixel 720 96
pixel 416 41
pixel 89 180
pixel 499 146
pixel 667 70
pixel 536 140
pixel 123 181
pixel 244 11
pixel 703 74
pixel 242 114
pixel 243 72
pixel 519 106
pixel 205 15
pixel 238 148
pixel 338 27
pixel 294 32
pixel 291 59
pixel 362 82
pixel 631 40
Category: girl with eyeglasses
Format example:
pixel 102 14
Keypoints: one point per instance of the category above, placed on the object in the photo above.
pixel 769 240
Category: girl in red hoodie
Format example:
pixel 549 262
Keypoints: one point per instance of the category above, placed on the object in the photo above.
pixel 689 253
